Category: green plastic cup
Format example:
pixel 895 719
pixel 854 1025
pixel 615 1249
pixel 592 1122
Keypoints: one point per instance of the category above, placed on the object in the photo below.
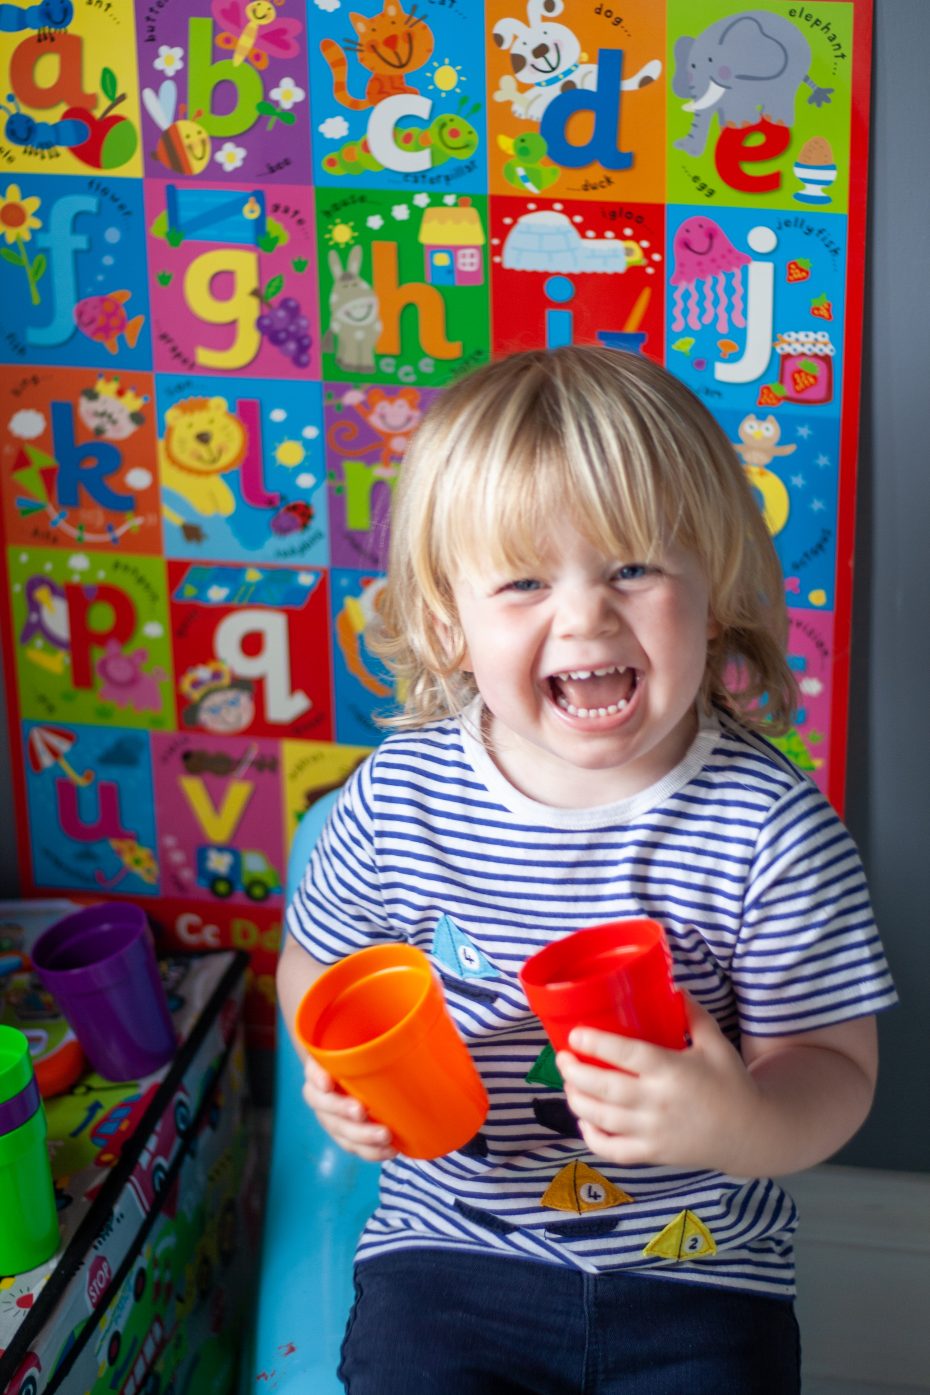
pixel 29 1230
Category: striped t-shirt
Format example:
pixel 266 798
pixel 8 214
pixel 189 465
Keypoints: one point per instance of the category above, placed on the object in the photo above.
pixel 761 892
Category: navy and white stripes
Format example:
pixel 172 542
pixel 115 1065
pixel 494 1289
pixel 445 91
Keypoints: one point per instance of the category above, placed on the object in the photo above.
pixel 763 898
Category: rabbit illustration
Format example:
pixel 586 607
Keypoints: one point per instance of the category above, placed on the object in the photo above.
pixel 354 322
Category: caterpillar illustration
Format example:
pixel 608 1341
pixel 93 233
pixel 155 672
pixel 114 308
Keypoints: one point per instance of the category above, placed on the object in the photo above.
pixel 22 129
pixel 448 137
pixel 47 17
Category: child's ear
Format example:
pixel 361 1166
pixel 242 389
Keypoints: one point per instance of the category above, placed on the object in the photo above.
pixel 446 634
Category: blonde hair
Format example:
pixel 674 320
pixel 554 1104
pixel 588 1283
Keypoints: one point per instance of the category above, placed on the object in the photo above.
pixel 633 459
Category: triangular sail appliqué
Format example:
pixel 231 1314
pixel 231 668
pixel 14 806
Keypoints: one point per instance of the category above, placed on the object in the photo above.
pixel 578 1187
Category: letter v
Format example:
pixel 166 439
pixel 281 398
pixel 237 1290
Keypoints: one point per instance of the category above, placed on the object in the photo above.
pixel 219 825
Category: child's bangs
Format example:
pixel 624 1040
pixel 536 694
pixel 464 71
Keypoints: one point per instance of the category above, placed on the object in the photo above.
pixel 625 522
pixel 507 526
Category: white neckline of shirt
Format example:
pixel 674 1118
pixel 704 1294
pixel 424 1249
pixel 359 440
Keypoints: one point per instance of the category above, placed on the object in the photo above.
pixel 600 815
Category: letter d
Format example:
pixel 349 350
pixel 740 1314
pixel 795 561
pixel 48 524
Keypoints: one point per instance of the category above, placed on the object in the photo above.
pixel 604 102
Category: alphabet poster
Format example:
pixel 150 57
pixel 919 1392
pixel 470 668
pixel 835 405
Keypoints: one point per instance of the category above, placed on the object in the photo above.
pixel 244 244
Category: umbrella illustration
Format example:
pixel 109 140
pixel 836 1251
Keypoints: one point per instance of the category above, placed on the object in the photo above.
pixel 134 858
pixel 49 746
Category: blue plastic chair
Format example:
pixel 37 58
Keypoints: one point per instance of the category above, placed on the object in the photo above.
pixel 319 1198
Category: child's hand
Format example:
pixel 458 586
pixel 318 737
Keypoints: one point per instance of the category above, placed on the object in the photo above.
pixel 680 1108
pixel 343 1118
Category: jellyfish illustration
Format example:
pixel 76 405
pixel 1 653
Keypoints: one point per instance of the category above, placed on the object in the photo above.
pixel 703 252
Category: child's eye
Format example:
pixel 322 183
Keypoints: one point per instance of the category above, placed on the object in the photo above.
pixel 633 571
pixel 522 584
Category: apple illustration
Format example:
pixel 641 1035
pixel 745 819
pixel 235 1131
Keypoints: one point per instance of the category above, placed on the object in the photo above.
pixel 112 139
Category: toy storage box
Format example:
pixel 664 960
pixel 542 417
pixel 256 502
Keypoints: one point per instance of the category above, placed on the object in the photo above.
pixel 154 1181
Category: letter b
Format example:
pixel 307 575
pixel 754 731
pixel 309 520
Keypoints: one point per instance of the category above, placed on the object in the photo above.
pixel 204 77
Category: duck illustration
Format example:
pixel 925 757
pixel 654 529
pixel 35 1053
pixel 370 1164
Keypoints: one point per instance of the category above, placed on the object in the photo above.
pixel 525 170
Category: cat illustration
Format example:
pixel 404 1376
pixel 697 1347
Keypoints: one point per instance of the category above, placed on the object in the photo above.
pixel 388 45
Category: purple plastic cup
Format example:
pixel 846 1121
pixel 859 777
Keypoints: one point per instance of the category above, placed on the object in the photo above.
pixel 99 965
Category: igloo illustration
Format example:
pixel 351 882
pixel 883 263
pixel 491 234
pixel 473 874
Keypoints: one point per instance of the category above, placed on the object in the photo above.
pixel 549 241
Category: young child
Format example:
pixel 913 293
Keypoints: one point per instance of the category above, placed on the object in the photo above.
pixel 585 614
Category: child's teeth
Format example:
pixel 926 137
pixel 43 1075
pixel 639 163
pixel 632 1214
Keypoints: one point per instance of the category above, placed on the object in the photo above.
pixel 592 672
pixel 573 711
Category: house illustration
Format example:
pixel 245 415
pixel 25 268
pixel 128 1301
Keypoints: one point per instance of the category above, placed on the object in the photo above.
pixel 452 238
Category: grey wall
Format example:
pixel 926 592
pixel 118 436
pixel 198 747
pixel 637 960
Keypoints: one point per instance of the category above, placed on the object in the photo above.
pixel 888 803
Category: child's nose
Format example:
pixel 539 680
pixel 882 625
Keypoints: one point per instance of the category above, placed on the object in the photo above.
pixel 585 612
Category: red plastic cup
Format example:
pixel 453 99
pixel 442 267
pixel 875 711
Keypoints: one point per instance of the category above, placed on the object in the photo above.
pixel 616 977
pixel 377 1022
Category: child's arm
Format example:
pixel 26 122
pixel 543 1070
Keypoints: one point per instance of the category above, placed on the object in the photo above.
pixel 786 1103
pixel 343 1118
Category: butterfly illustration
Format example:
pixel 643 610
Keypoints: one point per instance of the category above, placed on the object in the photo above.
pixel 254 32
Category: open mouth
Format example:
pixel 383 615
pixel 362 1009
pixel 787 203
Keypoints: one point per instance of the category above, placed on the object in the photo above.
pixel 394 60
pixel 594 692
pixel 548 62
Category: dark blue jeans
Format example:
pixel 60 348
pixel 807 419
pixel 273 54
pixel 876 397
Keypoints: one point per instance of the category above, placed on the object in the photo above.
pixel 441 1322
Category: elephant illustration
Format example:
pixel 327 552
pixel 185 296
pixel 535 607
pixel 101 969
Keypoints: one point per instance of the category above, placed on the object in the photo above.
pixel 744 68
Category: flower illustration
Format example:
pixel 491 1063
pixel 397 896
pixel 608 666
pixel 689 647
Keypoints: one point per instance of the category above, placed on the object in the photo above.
pixel 288 93
pixel 229 155
pixel 169 60
pixel 17 215
pixel 17 224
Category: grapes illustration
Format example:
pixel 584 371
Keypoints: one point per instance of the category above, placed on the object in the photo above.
pixel 283 324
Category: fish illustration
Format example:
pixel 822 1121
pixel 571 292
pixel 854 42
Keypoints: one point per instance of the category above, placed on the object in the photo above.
pixel 103 318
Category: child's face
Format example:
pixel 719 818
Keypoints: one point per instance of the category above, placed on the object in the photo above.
pixel 635 638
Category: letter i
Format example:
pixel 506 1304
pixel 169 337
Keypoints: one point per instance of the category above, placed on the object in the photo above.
pixel 559 323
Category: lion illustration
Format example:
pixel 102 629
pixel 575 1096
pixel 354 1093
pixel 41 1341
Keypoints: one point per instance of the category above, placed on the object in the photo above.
pixel 202 441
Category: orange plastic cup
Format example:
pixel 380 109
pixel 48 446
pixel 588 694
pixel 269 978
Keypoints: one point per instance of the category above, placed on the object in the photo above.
pixel 377 1022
